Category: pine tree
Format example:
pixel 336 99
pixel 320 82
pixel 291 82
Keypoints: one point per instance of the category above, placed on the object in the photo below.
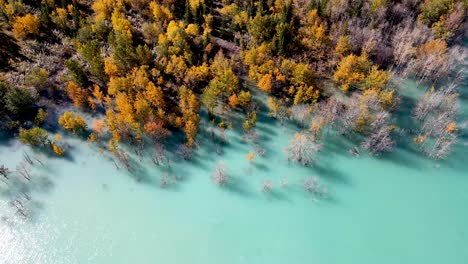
pixel 188 13
pixel 45 14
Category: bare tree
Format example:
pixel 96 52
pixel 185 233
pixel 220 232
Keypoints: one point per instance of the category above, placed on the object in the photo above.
pixel 442 148
pixel 379 139
pixel 354 151
pixel 23 169
pixel 167 179
pixel 259 150
pixel 159 154
pixel 436 113
pixel 433 64
pixel 185 152
pixel 123 159
pixel 284 181
pixel 313 185
pixel 222 135
pixel 267 186
pixel 347 120
pixel 4 171
pixel 139 149
pixel 28 158
pixel 220 176
pixel 327 113
pixel 332 109
pixel 300 113
pixel 19 207
pixel 251 135
pixel 407 37
pixel 303 148
pixel 437 102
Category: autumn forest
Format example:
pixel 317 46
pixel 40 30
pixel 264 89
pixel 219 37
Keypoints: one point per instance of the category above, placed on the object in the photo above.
pixel 145 70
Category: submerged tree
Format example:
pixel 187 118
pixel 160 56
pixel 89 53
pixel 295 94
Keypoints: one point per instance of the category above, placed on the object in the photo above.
pixel 220 176
pixel 123 159
pixel 313 185
pixel 300 113
pixel 436 113
pixel 267 186
pixel 159 155
pixel 303 148
pixel 4 172
pixel 138 63
pixel 23 169
pixel 185 152
pixel 379 138
pixel 167 179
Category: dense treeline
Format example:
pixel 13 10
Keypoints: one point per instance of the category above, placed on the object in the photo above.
pixel 145 68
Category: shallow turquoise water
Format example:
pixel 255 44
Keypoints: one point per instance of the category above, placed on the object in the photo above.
pixel 400 208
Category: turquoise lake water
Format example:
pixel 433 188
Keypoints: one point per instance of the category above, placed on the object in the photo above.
pixel 399 208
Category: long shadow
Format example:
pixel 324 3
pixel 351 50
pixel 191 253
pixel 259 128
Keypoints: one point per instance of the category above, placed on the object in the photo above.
pixel 238 186
pixel 5 138
pixel 329 199
pixel 20 191
pixel 406 150
pixel 278 196
pixel 328 172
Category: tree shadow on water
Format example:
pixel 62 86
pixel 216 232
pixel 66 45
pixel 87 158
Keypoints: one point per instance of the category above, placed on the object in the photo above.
pixel 6 139
pixel 238 186
pixel 276 195
pixel 328 172
pixel 260 166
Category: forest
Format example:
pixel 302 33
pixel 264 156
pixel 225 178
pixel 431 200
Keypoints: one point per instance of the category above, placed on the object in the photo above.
pixel 148 70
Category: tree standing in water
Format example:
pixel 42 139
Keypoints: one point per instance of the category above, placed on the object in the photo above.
pixel 303 148
pixel 436 113
pixel 220 176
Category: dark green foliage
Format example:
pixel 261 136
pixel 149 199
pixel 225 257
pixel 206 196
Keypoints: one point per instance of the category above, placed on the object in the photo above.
pixel 76 16
pixel 3 91
pixel 45 14
pixel 282 38
pixel 432 10
pixel 188 13
pixel 262 7
pixel 85 33
pixel 286 30
pixel 262 28
pixel 124 53
pixel 251 8
pixel 102 30
pixel 143 53
pixel 287 13
pixel 208 7
pixel 319 5
pixel 92 55
pixel 198 19
pixel 77 73
pixel 65 3
pixel 15 104
pixel 356 8
pixel 38 79
pixel 19 102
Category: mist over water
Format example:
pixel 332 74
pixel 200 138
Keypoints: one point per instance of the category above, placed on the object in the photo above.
pixel 397 208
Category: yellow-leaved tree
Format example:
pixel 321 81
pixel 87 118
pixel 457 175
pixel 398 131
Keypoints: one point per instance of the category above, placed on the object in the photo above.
pixel 72 122
pixel 78 95
pixel 26 25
